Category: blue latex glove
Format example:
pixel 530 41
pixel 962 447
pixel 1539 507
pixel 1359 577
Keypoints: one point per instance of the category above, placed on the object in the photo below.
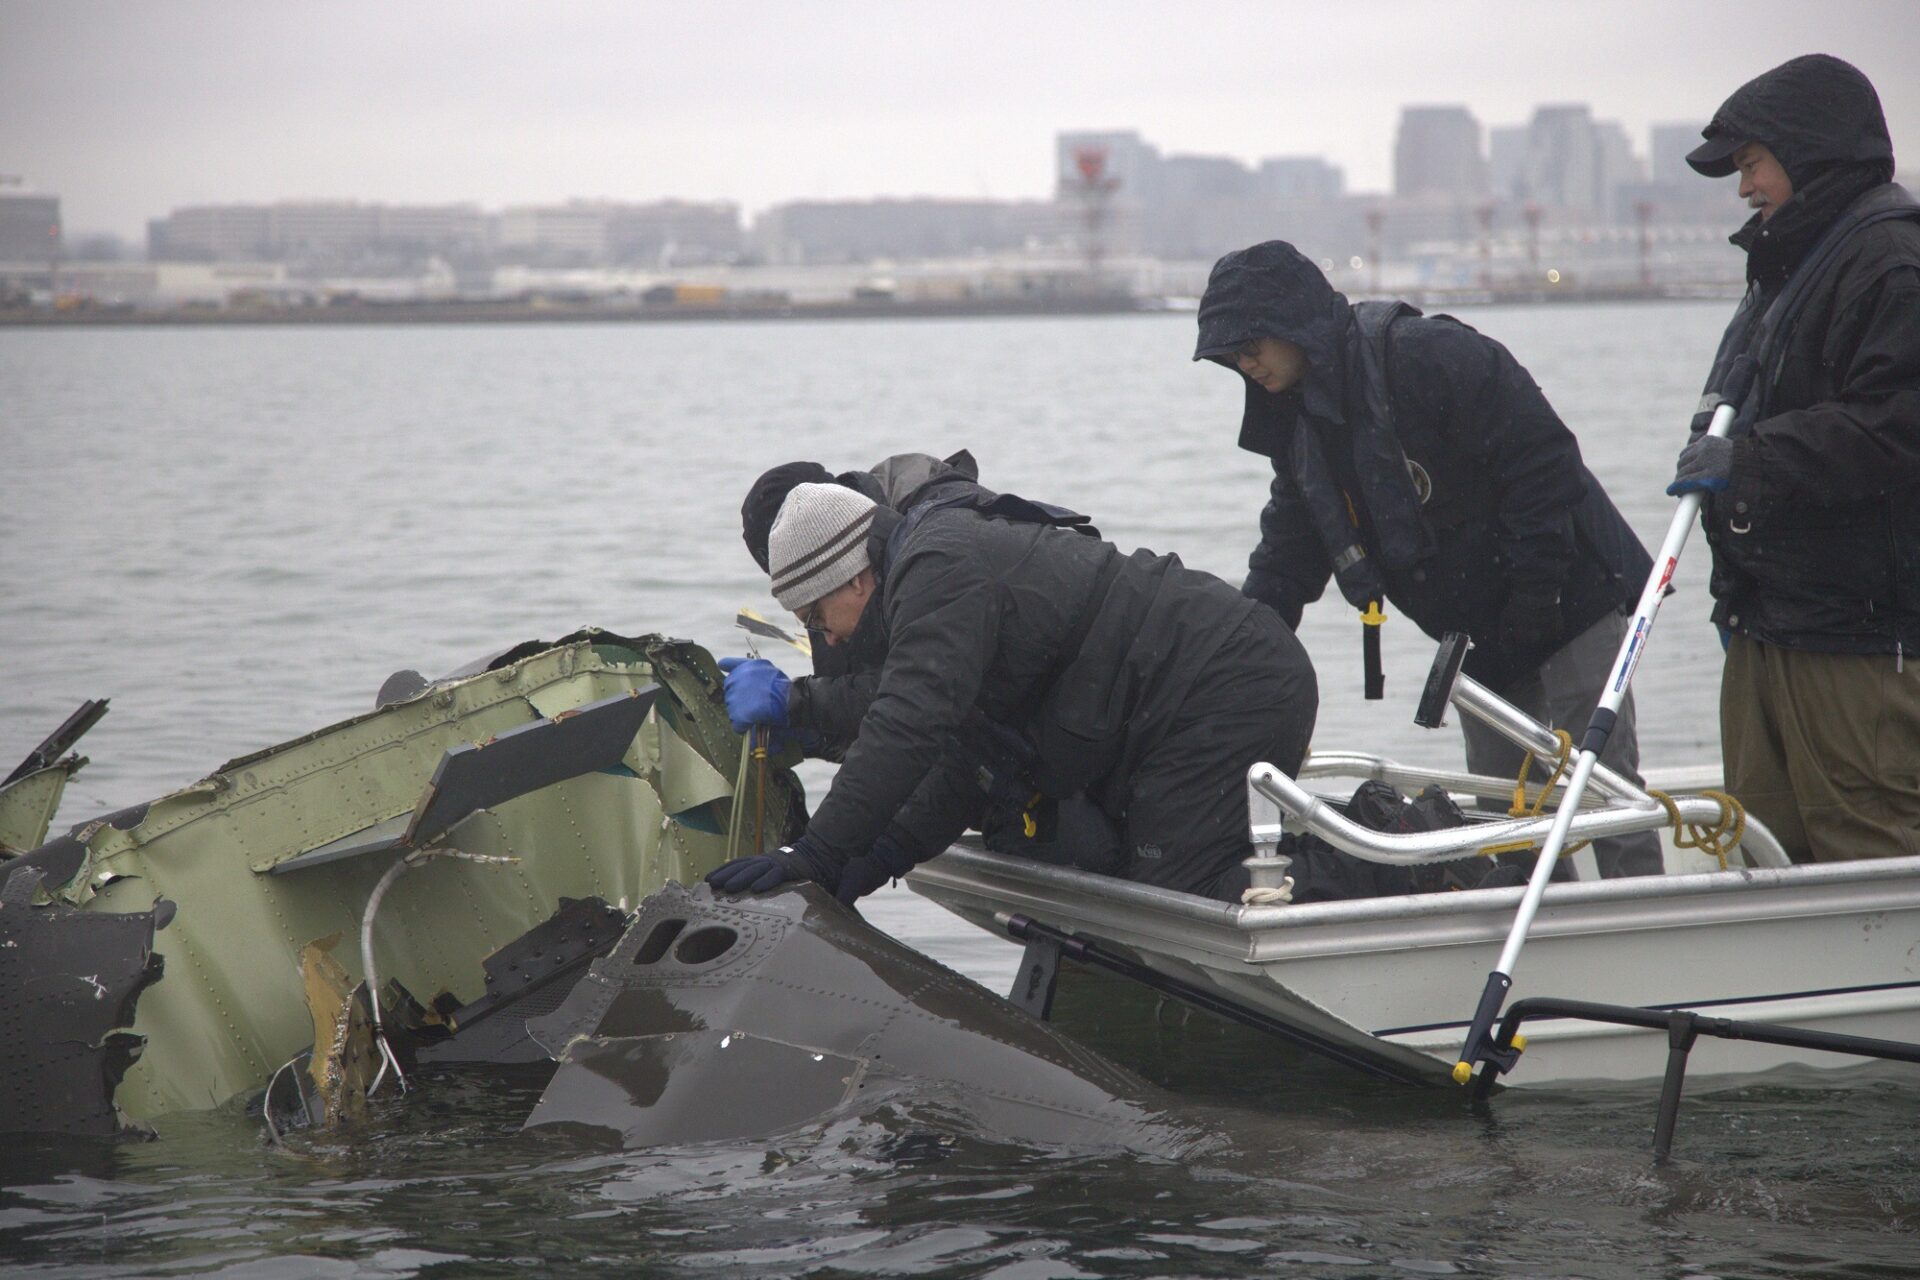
pixel 1726 638
pixel 862 875
pixel 756 693
pixel 1705 464
pixel 760 872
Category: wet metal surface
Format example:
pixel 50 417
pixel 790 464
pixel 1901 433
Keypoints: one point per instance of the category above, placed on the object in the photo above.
pixel 69 981
pixel 743 1017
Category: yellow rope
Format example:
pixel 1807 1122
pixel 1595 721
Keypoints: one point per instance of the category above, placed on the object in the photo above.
pixel 1713 840
pixel 1523 808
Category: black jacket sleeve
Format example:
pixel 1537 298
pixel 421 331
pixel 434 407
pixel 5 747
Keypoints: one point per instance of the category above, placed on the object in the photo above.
pixel 832 705
pixel 1864 442
pixel 1289 569
pixel 1488 406
pixel 943 616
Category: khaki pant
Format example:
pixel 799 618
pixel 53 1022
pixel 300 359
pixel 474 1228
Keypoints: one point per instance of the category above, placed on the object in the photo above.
pixel 1824 748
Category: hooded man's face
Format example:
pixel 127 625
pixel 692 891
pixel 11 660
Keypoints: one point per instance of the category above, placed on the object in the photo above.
pixel 1764 185
pixel 1274 363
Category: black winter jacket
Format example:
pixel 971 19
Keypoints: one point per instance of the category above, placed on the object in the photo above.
pixel 834 699
pixel 1816 540
pixel 979 615
pixel 1470 491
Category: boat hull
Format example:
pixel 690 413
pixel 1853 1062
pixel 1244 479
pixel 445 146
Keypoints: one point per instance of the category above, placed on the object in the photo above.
pixel 1831 947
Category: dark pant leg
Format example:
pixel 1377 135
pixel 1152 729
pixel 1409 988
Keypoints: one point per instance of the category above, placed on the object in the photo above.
pixel 1562 695
pixel 1186 818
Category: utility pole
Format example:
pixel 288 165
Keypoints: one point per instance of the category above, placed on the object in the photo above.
pixel 1643 211
pixel 1376 220
pixel 1484 213
pixel 1093 187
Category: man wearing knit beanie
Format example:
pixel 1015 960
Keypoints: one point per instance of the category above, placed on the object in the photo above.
pixel 1143 686
pixel 817 558
pixel 818 546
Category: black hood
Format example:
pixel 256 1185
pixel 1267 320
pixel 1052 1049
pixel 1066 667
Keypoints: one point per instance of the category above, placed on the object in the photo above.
pixel 1814 113
pixel 1273 291
pixel 764 498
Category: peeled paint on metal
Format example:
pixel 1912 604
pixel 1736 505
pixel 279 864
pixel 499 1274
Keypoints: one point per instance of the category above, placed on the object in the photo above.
pixel 344 1060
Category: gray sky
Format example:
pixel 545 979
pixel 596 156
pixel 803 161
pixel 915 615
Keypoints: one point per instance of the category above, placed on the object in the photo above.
pixel 129 109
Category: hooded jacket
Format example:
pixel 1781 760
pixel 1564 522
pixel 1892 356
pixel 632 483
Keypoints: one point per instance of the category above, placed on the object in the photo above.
pixel 1816 540
pixel 1085 652
pixel 833 700
pixel 1416 457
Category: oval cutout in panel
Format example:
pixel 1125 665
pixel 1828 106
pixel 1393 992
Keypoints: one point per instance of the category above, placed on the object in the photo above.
pixel 658 941
pixel 702 945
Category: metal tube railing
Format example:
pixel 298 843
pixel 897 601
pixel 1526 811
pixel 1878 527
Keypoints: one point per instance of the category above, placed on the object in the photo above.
pixel 1272 794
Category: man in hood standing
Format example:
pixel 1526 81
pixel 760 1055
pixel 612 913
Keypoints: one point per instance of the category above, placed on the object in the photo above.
pixel 1813 499
pixel 1415 461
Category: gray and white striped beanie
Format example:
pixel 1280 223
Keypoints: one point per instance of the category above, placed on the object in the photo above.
pixel 818 543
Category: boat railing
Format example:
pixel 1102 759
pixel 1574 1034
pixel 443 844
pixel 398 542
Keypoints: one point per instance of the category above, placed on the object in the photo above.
pixel 1613 805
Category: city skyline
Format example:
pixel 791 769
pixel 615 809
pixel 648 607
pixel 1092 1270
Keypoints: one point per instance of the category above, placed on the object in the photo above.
pixel 129 112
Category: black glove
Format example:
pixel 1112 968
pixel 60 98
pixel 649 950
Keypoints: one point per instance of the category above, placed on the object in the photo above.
pixel 1705 464
pixel 1273 591
pixel 1529 624
pixel 862 875
pixel 804 859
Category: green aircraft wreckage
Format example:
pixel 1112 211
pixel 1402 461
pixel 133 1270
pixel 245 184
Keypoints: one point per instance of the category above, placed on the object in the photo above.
pixel 184 952
pixel 506 838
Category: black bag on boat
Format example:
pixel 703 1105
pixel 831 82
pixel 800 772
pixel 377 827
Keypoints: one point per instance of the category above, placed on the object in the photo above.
pixel 1322 873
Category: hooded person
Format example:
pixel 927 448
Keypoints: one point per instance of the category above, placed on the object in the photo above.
pixel 1415 462
pixel 1144 686
pixel 1812 506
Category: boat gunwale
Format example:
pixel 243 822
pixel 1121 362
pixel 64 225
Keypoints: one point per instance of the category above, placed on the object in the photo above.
pixel 965 867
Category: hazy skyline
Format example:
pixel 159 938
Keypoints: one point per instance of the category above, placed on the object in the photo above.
pixel 129 110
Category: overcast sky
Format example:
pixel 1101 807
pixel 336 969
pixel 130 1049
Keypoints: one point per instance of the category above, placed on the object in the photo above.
pixel 128 109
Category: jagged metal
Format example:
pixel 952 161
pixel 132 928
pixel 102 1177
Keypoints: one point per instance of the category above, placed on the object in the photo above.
pixel 232 1009
pixel 72 981
pixel 726 1019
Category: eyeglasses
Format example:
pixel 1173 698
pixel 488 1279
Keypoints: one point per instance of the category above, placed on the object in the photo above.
pixel 809 614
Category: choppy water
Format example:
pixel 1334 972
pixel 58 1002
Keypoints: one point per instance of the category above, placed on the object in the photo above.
pixel 237 534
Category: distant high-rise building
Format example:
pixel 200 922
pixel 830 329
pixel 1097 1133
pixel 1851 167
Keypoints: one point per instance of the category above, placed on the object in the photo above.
pixel 665 232
pixel 861 230
pixel 1301 179
pixel 29 226
pixel 337 233
pixel 1619 165
pixel 1119 155
pixel 572 232
pixel 1437 153
pixel 1507 161
pixel 1563 165
pixel 212 233
pixel 1206 178
pixel 1669 144
pixel 431 228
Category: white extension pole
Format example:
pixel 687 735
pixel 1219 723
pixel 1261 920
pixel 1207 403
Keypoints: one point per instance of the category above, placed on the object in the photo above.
pixel 1478 1046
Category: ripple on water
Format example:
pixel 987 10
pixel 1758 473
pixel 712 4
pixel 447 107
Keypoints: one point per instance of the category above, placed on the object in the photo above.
pixel 274 521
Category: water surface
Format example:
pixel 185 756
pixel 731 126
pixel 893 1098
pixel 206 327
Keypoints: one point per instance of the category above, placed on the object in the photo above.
pixel 236 534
